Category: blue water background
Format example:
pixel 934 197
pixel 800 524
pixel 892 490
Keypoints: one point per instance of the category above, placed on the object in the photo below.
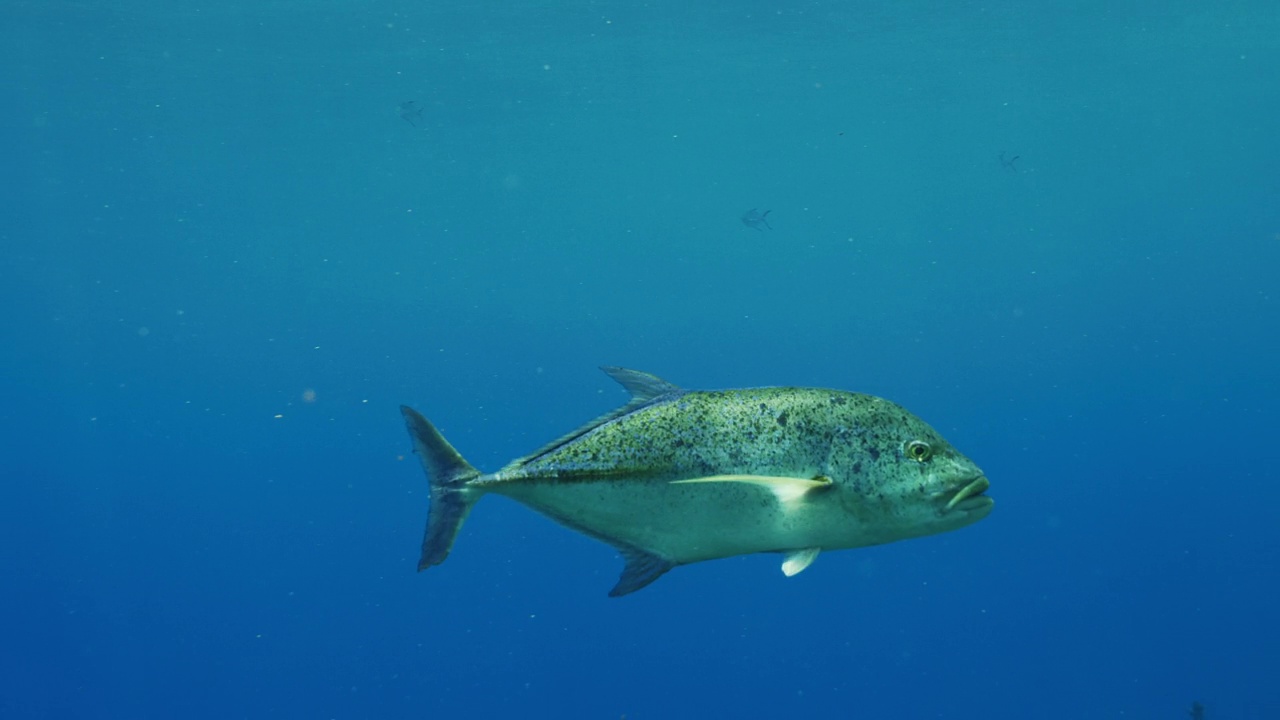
pixel 228 258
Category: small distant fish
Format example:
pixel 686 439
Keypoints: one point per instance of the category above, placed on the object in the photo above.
pixel 754 219
pixel 410 111
pixel 680 476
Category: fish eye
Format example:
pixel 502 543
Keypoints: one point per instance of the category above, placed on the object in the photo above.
pixel 918 450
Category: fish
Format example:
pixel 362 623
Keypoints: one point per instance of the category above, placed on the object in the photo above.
pixel 410 112
pixel 676 477
pixel 754 219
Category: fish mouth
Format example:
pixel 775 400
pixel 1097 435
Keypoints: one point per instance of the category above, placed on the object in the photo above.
pixel 970 497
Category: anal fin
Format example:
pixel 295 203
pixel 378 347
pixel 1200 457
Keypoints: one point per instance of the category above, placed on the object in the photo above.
pixel 797 560
pixel 641 569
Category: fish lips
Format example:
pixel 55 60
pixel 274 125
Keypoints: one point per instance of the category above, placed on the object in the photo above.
pixel 970 498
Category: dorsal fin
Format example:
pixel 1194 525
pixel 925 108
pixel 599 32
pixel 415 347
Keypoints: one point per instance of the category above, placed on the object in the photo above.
pixel 644 388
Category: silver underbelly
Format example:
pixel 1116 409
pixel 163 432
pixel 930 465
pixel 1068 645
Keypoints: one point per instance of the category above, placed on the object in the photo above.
pixel 688 523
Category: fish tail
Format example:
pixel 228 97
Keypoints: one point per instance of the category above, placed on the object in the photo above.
pixel 451 497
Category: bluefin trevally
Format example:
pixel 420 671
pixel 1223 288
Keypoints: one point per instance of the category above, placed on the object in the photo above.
pixel 680 476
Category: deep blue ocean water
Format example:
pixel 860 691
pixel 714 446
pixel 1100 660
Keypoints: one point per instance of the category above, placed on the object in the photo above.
pixel 230 253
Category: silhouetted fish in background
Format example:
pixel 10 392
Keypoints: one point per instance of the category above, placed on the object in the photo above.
pixel 754 219
pixel 410 111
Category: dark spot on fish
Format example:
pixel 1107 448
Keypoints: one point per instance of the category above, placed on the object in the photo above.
pixel 782 419
pixel 857 468
pixel 838 400
pixel 874 452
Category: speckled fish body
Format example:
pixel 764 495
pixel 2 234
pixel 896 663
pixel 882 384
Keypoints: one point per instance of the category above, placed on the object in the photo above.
pixel 677 477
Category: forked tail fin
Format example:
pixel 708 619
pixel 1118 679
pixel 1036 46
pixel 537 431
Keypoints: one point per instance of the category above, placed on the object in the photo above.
pixel 448 474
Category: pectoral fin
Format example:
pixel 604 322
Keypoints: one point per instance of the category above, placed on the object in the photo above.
pixel 797 560
pixel 786 489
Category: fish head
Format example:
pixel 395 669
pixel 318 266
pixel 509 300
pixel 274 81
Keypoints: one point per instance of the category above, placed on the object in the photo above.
pixel 898 474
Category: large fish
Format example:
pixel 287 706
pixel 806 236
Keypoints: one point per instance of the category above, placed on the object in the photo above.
pixel 680 476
